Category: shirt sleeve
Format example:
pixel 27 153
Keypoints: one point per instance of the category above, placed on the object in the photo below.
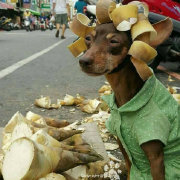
pixel 67 1
pixel 152 124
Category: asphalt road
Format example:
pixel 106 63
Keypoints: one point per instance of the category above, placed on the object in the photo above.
pixel 55 74
pixel 47 68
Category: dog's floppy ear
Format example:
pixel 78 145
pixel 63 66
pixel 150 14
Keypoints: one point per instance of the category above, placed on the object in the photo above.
pixel 163 29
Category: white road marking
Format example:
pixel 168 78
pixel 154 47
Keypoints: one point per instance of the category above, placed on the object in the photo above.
pixel 21 63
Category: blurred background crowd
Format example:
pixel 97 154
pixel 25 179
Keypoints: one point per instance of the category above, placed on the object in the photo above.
pixel 15 14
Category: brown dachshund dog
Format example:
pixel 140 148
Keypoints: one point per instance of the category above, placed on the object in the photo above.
pixel 107 54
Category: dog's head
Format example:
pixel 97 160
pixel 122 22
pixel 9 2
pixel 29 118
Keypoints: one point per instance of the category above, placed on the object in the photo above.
pixel 106 49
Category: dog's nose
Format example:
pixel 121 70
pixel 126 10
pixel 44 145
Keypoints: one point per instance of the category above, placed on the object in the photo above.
pixel 85 62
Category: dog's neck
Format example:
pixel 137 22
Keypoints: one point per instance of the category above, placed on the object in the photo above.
pixel 125 83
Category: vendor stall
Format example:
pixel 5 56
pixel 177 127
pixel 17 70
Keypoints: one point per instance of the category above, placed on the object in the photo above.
pixel 36 13
pixel 6 6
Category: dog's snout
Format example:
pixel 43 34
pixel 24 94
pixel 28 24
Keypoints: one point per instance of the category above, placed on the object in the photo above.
pixel 85 62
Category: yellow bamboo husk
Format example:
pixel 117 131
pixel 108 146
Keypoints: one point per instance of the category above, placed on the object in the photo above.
pixel 119 15
pixel 77 47
pixel 142 51
pixel 80 26
pixel 143 26
pixel 142 69
pixel 102 13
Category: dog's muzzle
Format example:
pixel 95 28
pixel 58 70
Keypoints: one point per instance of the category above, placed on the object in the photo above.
pixel 85 62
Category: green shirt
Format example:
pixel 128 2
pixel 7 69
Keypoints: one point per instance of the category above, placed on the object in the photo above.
pixel 152 114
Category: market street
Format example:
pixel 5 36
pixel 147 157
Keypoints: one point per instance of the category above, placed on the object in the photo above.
pixel 36 63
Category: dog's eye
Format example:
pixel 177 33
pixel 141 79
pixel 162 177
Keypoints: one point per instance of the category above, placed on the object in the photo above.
pixel 88 38
pixel 113 41
pixel 88 41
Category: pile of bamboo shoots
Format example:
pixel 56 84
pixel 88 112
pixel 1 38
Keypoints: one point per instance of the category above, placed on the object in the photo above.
pixel 86 105
pixel 34 147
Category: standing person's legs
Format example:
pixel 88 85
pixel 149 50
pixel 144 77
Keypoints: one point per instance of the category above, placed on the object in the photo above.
pixel 64 23
pixel 63 31
pixel 58 21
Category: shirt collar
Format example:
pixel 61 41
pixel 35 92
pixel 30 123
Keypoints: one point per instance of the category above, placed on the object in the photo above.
pixel 138 101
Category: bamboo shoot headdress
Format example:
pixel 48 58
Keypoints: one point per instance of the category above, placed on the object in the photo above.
pixel 131 17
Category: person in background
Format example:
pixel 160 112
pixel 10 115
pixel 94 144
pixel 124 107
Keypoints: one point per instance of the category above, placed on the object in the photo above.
pixel 27 13
pixel 61 11
pixel 43 16
pixel 32 20
pixel 79 6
